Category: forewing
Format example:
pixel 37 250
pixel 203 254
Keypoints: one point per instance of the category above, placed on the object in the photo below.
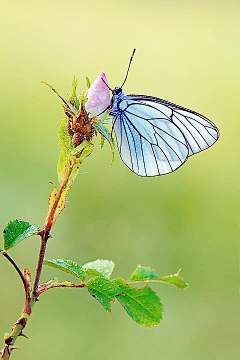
pixel 148 142
pixel 199 132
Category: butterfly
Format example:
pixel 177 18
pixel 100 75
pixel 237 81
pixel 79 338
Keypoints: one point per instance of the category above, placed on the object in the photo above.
pixel 154 136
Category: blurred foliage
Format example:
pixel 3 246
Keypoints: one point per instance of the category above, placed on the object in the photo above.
pixel 187 53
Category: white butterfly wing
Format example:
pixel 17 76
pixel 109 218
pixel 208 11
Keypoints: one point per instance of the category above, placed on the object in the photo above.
pixel 199 132
pixel 148 142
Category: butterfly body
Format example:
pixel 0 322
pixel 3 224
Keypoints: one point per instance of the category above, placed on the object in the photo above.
pixel 154 136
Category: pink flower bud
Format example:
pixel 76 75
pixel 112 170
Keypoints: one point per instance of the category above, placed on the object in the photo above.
pixel 98 98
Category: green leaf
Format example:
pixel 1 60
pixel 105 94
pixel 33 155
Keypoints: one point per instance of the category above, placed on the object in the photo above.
pixel 62 202
pixel 16 231
pixel 103 290
pixel 55 91
pixel 67 266
pixel 84 146
pixel 64 139
pixel 99 268
pixel 74 174
pixel 48 285
pixel 68 105
pixel 107 120
pixel 142 305
pixel 62 166
pixel 174 279
pixel 144 273
pixel 102 141
pixel 85 149
pixel 105 132
pixel 88 83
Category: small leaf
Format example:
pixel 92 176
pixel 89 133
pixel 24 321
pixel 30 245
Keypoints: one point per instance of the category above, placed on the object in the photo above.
pixel 47 285
pixel 55 91
pixel 74 174
pixel 102 141
pixel 80 148
pixel 88 83
pixel 16 231
pixel 105 132
pixel 103 290
pixel 67 105
pixel 86 151
pixel 77 156
pixel 144 273
pixel 142 305
pixel 51 202
pixel 99 267
pixel 61 204
pixel 62 166
pixel 64 139
pixel 68 266
pixel 175 279
pixel 74 99
pixel 107 120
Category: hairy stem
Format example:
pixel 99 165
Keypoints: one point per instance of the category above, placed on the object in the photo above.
pixel 10 339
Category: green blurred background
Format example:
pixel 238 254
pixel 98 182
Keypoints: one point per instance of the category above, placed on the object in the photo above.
pixel 187 52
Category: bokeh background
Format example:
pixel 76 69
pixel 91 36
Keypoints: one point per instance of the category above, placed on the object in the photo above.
pixel 187 52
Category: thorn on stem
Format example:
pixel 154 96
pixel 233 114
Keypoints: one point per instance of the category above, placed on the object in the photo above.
pixel 24 335
pixel 11 347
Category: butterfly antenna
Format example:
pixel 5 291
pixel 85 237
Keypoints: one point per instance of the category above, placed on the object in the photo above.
pixel 107 85
pixel 128 67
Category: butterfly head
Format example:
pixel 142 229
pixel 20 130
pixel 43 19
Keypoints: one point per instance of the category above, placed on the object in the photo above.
pixel 117 91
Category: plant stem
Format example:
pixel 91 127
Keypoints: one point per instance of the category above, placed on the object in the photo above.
pixel 20 324
pixel 50 219
pixel 22 321
pixel 11 338
pixel 4 253
pixel 44 236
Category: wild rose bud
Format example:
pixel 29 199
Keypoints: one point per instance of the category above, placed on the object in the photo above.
pixel 98 98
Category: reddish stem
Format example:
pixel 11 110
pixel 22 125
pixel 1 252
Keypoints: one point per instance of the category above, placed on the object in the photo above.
pixel 25 284
pixel 4 253
pixel 44 235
